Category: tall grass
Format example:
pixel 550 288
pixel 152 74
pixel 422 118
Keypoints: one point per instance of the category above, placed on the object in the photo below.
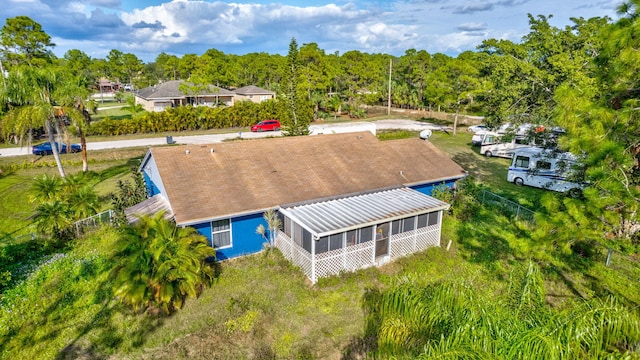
pixel 261 306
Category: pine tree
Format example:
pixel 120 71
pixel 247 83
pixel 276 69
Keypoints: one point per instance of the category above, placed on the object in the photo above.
pixel 298 119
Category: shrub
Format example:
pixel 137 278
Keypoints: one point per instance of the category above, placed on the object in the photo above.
pixel 186 118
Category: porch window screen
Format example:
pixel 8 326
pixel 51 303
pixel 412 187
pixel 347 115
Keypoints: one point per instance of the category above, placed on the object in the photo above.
pixel 433 218
pixel 297 234
pixel 306 240
pixel 322 245
pixel 352 237
pixel 396 227
pixel 335 241
pixel 221 233
pixel 408 224
pixel 422 220
pixel 366 234
pixel 287 226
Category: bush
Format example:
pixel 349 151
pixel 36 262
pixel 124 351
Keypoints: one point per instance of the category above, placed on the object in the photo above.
pixel 187 118
pixel 463 198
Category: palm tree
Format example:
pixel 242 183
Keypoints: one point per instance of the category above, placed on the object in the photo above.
pixel 450 320
pixel 273 222
pixel 132 106
pixel 28 93
pixel 53 218
pixel 161 265
pixel 61 202
pixel 335 103
pixel 46 188
pixel 70 95
pixel 83 202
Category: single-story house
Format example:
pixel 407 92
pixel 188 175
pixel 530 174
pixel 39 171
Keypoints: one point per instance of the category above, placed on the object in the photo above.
pixel 179 93
pixel 346 201
pixel 253 93
pixel 106 85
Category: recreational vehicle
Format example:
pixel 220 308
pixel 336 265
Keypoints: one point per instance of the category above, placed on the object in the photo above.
pixel 547 169
pixel 502 145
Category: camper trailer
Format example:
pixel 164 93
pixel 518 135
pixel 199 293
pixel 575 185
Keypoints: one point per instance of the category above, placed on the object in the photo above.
pixel 502 145
pixel 504 141
pixel 547 169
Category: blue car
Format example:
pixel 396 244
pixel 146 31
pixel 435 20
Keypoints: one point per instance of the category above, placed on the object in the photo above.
pixel 45 148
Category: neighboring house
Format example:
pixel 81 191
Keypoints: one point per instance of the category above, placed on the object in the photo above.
pixel 346 201
pixel 253 93
pixel 171 94
pixel 106 85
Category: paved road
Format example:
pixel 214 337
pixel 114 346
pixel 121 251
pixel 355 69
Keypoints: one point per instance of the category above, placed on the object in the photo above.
pixel 216 138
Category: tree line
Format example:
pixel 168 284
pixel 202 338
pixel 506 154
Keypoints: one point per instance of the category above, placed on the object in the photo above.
pixel 501 79
pixel 581 77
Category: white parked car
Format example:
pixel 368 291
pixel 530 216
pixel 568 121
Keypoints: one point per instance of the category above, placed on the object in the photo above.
pixel 475 128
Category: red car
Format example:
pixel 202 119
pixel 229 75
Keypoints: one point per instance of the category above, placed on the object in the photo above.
pixel 266 125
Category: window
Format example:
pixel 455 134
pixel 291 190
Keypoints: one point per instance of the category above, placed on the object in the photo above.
pixel 395 227
pixel 335 241
pixel 382 231
pixel 287 226
pixel 521 140
pixel 422 220
pixel 306 240
pixel 366 234
pixel 522 162
pixel 408 224
pixel 297 234
pixel 489 139
pixel 433 218
pixel 543 165
pixel 352 237
pixel 221 233
pixel 322 245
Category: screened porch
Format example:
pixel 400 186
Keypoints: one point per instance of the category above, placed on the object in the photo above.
pixel 343 235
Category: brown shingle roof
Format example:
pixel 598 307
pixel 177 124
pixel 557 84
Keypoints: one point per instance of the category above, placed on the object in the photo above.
pixel 252 175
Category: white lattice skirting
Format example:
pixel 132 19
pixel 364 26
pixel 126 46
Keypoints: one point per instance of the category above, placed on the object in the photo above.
pixel 357 256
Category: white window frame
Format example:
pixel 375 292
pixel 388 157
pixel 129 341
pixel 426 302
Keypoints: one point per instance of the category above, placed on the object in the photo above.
pixel 220 232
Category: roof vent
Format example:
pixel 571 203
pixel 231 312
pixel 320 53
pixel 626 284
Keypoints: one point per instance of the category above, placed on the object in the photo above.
pixel 187 152
pixel 211 150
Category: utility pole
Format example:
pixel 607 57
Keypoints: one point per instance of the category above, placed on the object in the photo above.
pixel 389 99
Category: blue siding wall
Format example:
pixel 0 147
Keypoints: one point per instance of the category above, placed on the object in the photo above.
pixel 204 229
pixel 244 238
pixel 152 189
pixel 427 188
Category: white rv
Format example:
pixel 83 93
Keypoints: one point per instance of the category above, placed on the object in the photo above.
pixel 502 145
pixel 547 169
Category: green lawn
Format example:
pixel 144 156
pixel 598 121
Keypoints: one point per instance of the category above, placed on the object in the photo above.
pixel 260 306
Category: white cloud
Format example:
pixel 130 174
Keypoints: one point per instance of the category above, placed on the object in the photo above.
pixel 180 26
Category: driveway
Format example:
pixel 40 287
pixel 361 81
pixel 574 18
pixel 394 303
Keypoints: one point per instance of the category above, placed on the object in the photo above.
pixel 216 138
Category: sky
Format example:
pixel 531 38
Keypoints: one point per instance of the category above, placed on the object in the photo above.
pixel 148 27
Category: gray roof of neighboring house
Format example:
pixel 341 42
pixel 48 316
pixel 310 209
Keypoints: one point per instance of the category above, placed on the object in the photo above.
pixel 252 90
pixel 171 90
pixel 204 182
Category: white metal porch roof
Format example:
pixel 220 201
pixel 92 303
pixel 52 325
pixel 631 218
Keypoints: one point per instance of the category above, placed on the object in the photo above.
pixel 338 215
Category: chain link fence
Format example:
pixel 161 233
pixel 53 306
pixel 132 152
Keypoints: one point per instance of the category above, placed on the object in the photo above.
pixel 92 222
pixel 628 265
pixel 507 206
